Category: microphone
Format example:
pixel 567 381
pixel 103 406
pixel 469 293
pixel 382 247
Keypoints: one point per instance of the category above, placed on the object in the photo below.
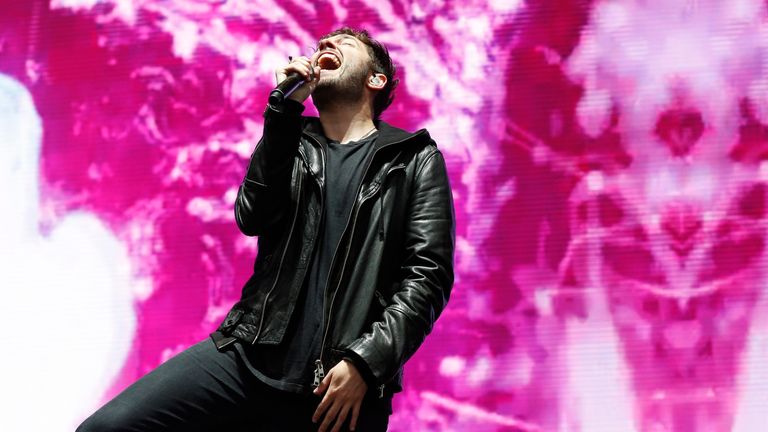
pixel 293 81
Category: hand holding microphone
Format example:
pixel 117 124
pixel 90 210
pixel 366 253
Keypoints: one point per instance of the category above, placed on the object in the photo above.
pixel 296 80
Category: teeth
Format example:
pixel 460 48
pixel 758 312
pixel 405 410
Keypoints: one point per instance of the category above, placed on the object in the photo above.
pixel 328 61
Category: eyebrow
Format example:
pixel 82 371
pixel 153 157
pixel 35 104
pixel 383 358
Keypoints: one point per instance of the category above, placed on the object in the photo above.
pixel 339 36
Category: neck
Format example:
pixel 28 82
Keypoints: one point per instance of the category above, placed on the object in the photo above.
pixel 346 123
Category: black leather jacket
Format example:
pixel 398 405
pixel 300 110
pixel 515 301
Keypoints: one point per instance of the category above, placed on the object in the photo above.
pixel 393 270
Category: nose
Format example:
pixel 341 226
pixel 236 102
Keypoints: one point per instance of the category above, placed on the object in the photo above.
pixel 327 44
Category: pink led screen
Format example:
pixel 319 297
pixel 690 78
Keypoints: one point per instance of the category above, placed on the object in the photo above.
pixel 608 160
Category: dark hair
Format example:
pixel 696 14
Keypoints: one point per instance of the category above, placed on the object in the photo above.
pixel 381 63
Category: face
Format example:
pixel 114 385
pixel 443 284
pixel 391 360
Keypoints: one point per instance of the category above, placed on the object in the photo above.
pixel 345 64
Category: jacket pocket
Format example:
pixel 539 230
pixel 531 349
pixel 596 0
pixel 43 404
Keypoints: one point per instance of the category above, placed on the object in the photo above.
pixel 376 308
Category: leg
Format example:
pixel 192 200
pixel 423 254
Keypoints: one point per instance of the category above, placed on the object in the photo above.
pixel 198 390
pixel 374 414
pixel 293 412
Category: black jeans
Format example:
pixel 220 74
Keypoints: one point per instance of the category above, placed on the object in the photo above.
pixel 202 389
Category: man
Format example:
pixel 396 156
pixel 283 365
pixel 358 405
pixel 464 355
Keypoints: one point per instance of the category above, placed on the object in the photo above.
pixel 355 224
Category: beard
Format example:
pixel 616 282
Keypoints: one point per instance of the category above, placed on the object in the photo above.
pixel 339 90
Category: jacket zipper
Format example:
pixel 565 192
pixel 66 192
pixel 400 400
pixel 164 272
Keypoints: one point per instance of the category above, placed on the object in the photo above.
pixel 319 374
pixel 279 267
pixel 282 258
pixel 319 371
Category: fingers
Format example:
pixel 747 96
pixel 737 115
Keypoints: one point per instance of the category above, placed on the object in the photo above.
pixel 305 68
pixel 301 65
pixel 343 395
pixel 341 418
pixel 330 416
pixel 323 385
pixel 338 411
pixel 355 415
pixel 327 400
pixel 320 412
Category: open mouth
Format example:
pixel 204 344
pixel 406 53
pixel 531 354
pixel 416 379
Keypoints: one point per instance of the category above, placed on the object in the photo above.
pixel 328 61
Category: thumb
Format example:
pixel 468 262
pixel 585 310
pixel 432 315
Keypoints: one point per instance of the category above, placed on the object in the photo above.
pixel 323 384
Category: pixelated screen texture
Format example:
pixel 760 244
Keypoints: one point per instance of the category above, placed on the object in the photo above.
pixel 606 158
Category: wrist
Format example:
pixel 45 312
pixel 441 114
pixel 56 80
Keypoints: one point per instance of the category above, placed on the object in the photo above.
pixel 361 367
pixel 289 107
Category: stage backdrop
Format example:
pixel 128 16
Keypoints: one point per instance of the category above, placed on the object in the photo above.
pixel 607 159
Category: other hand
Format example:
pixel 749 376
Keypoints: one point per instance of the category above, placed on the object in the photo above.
pixel 344 390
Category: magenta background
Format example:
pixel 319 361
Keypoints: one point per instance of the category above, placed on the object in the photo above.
pixel 566 248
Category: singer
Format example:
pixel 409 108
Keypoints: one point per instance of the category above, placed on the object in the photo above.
pixel 355 263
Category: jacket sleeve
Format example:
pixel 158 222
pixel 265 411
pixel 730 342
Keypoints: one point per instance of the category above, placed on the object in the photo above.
pixel 264 194
pixel 427 276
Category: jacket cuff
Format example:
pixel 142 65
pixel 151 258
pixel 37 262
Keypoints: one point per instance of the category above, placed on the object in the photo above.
pixel 288 107
pixel 362 367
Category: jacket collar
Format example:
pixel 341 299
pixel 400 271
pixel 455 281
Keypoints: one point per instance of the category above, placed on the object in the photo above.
pixel 388 134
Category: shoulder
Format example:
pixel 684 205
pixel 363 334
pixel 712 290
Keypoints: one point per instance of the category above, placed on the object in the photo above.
pixel 419 143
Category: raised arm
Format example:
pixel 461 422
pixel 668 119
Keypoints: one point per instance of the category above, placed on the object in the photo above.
pixel 264 194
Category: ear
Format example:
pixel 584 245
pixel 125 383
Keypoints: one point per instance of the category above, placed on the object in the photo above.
pixel 377 81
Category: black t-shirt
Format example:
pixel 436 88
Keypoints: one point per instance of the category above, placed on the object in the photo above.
pixel 290 365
